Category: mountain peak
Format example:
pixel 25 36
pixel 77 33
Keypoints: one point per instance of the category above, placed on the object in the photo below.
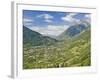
pixel 74 30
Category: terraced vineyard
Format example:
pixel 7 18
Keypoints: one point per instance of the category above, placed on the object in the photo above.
pixel 66 53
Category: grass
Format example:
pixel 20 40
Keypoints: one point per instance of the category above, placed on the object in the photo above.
pixel 73 53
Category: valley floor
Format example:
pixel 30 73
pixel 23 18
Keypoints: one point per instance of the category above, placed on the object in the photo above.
pixel 62 54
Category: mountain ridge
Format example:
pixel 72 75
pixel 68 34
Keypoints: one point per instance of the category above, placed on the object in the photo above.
pixel 74 30
pixel 34 38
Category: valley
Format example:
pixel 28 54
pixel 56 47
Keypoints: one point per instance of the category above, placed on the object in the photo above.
pixel 46 52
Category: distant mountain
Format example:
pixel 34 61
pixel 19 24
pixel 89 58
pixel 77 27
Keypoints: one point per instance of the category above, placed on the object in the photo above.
pixel 74 30
pixel 36 39
pixel 51 36
pixel 85 35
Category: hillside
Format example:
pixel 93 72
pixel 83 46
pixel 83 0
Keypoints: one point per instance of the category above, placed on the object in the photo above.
pixel 71 53
pixel 73 30
pixel 33 38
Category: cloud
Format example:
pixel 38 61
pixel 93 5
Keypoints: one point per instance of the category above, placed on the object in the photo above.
pixel 70 18
pixel 48 20
pixel 27 22
pixel 47 17
pixel 50 30
pixel 88 18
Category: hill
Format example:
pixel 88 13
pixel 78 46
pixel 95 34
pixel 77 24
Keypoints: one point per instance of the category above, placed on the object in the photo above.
pixel 33 38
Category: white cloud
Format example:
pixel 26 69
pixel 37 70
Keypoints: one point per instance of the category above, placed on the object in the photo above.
pixel 47 17
pixel 50 30
pixel 88 18
pixel 48 20
pixel 69 18
pixel 27 22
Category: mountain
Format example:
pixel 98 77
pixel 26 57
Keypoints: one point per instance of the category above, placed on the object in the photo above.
pixel 74 53
pixel 80 48
pixel 36 39
pixel 74 30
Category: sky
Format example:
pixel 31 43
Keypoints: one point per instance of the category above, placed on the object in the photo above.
pixel 50 22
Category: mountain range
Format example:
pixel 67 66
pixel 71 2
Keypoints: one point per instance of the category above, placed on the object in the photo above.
pixel 34 38
pixel 72 48
pixel 74 30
